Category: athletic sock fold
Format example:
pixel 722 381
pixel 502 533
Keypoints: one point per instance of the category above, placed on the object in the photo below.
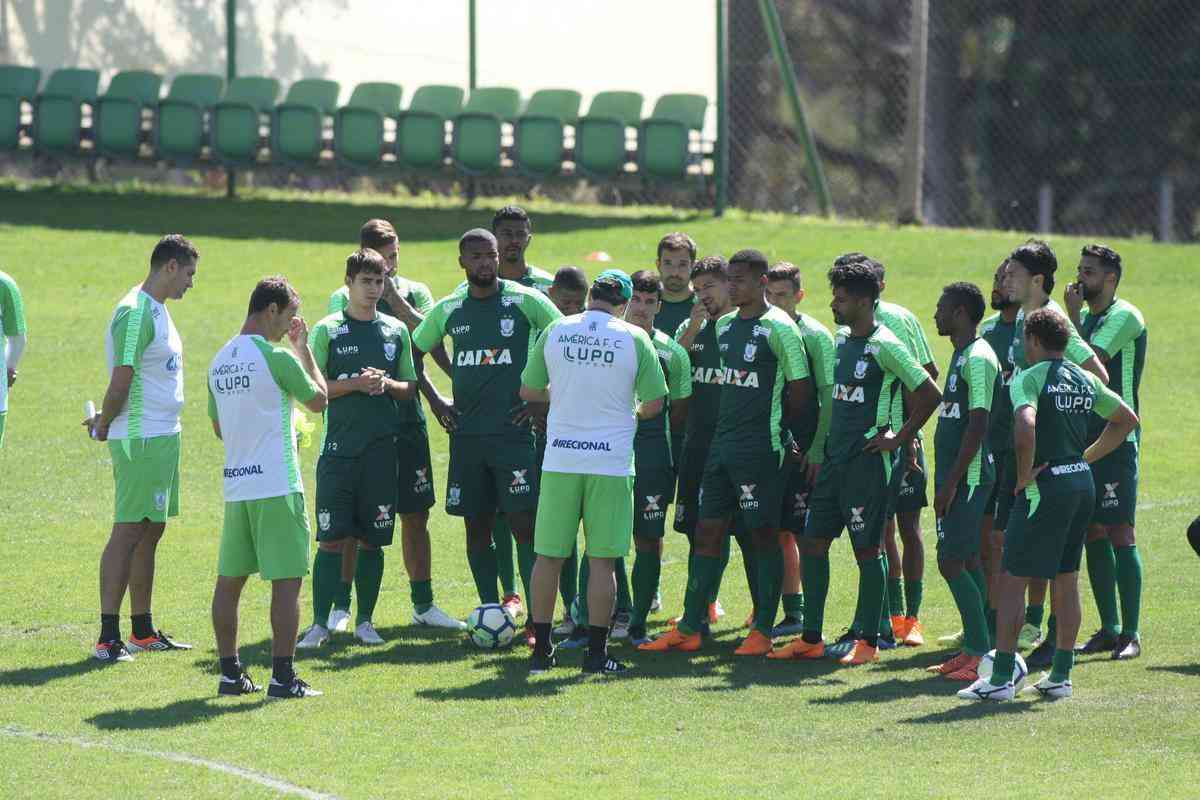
pixel 282 670
pixel 1060 668
pixel 769 562
pixel 110 627
pixel 970 609
pixel 231 667
pixel 895 596
pixel 913 592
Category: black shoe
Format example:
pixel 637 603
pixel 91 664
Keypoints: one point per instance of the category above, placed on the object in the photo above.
pixel 539 663
pixel 1127 647
pixel 604 666
pixel 242 684
pixel 1101 642
pixel 112 651
pixel 1042 656
pixel 292 689
pixel 843 644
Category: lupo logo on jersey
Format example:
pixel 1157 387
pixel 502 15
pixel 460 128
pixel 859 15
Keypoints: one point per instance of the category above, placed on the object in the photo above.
pixel 588 350
pixel 748 501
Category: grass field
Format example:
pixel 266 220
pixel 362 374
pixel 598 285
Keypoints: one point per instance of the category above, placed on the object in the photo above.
pixel 426 716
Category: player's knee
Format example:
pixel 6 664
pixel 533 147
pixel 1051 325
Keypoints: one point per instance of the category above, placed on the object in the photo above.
pixel 645 544
pixel 862 554
pixel 414 524
pixel 814 547
pixel 331 547
pixel 950 568
pixel 1122 536
pixel 1096 532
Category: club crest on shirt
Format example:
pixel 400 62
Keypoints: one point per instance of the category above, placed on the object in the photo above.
pixel 860 369
pixel 323 520
pixel 750 352
pixel 160 501
pixel 507 325
pixel 389 351
pixel 952 383
pixel 454 495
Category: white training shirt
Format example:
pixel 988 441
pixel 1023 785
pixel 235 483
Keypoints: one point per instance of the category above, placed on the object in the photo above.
pixel 141 335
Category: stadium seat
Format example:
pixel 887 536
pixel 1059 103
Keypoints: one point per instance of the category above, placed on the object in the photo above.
pixel 18 85
pixel 538 134
pixel 183 117
pixel 237 119
pixel 421 130
pixel 298 127
pixel 663 138
pixel 478 129
pixel 121 110
pixel 359 127
pixel 600 136
pixel 58 110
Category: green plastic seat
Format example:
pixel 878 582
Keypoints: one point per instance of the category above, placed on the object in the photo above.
pixel 121 110
pixel 298 127
pixel 182 117
pixel 18 85
pixel 421 128
pixel 358 131
pixel 663 138
pixel 237 118
pixel 477 145
pixel 538 134
pixel 58 110
pixel 600 136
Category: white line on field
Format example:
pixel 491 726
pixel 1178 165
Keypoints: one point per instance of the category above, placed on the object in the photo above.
pixel 183 758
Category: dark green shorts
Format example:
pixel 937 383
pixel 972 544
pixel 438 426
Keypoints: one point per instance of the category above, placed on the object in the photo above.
pixel 958 533
pixel 796 493
pixel 910 487
pixel 1046 531
pixel 652 490
pixel 1116 478
pixel 748 484
pixel 855 495
pixel 690 463
pixel 415 471
pixel 1006 483
pixel 356 497
pixel 488 474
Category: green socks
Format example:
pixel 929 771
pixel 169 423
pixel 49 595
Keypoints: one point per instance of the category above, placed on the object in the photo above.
pixel 715 592
pixel 1060 668
pixel 815 572
pixel 1129 581
pixel 502 539
pixel 895 596
pixel 525 559
pixel 749 563
pixel 368 578
pixel 327 580
pixel 1033 615
pixel 1052 629
pixel 770 586
pixel 872 582
pixel 1102 574
pixel 421 593
pixel 647 566
pixel 1002 669
pixel 913 591
pixel 970 609
pixel 704 572
pixel 980 581
pixel 568 581
pixel 624 602
pixel 483 569
pixel 793 606
pixel 342 599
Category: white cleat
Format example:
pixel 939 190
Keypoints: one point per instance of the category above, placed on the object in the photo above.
pixel 1051 690
pixel 365 633
pixel 566 627
pixel 984 690
pixel 339 620
pixel 437 618
pixel 620 628
pixel 313 638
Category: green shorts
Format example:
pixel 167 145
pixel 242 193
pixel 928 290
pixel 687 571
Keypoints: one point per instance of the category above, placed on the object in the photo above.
pixel 356 496
pixel 1116 478
pixel 748 484
pixel 910 488
pixel 797 490
pixel 415 470
pixel 146 474
pixel 268 536
pixel 690 469
pixel 1046 531
pixel 854 495
pixel 491 473
pixel 652 493
pixel 603 502
pixel 958 533
pixel 1006 483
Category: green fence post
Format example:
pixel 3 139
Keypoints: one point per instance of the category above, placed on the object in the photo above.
pixel 230 74
pixel 721 152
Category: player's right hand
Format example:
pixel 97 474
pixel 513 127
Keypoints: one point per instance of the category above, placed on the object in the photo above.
pixel 95 429
pixel 445 412
pixel 1073 299
pixel 698 315
pixel 298 332
pixel 372 381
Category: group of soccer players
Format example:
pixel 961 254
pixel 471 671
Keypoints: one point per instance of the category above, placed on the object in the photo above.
pixel 774 432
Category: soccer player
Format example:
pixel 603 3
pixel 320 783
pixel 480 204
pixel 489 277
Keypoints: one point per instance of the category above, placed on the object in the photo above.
pixel 367 359
pixel 266 521
pixel 853 489
pixel 493 461
pixel 408 301
pixel 784 291
pixel 1055 496
pixel 139 419
pixel 569 290
pixel 965 474
pixel 1117 333
pixel 602 374
pixel 761 356
pixel 13 332
pixel 676 255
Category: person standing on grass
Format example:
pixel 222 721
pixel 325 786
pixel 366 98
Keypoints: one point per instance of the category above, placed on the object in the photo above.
pixel 251 384
pixel 12 341
pixel 139 418
pixel 601 375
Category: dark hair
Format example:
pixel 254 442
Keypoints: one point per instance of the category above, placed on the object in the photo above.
pixel 1037 257
pixel 856 278
pixel 968 297
pixel 365 260
pixel 1108 258
pixel 272 289
pixel 476 235
pixel 856 257
pixel 1050 328
pixel 677 241
pixel 784 271
pixel 376 234
pixel 607 290
pixel 645 280
pixel 751 258
pixel 716 266
pixel 173 246
pixel 571 278
pixel 511 214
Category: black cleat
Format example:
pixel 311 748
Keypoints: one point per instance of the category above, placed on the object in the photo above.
pixel 157 642
pixel 112 651
pixel 539 663
pixel 1101 642
pixel 1127 647
pixel 242 684
pixel 843 644
pixel 604 666
pixel 295 688
pixel 1042 656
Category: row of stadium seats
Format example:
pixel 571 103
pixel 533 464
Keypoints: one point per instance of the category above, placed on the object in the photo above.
pixel 241 125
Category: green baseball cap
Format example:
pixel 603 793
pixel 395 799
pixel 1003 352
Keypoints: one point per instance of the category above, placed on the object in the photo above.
pixel 618 277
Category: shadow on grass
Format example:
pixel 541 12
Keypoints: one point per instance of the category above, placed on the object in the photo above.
pixel 38 676
pixel 1190 670
pixel 972 711
pixel 404 645
pixel 177 714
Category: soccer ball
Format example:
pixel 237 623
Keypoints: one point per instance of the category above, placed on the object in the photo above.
pixel 489 626
pixel 1020 671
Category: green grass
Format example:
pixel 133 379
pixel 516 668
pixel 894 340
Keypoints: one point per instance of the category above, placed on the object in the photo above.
pixel 425 715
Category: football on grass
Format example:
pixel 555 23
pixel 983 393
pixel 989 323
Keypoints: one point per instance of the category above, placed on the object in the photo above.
pixel 490 627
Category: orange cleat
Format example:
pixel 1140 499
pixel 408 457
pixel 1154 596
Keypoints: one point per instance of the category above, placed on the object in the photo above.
pixel 799 649
pixel 862 653
pixel 512 604
pixel 914 634
pixel 756 644
pixel 968 670
pixel 951 665
pixel 749 623
pixel 673 640
pixel 899 626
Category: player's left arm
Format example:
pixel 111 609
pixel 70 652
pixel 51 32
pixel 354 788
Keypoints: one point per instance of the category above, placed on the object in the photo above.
pixel 650 384
pixel 679 385
pixel 980 372
pixel 1121 422
pixel 924 352
pixel 535 378
pixel 921 401
pixel 787 345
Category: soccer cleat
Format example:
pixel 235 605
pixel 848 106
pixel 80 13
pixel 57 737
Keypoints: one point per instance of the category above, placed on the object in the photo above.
pixel 968 670
pixel 914 633
pixel 788 626
pixel 159 642
pixel 512 604
pixel 436 618
pixel 577 639
pixel 862 653
pixel 749 623
pixel 1029 637
pixel 604 666
pixel 1042 656
pixel 242 684
pixel 843 644
pixel 638 635
pixel 529 634
pixel 339 620
pixel 1051 690
pixel 900 626
pixel 1100 642
pixel 950 665
pixel 656 603
pixel 1127 647
pixel 887 642
pixel 365 633
pixel 756 644
pixel 539 664
pixel 716 611
pixel 293 689
pixel 620 628
pixel 983 690
pixel 313 638
pixel 954 639
pixel 566 627
pixel 673 640
pixel 111 652
pixel 799 649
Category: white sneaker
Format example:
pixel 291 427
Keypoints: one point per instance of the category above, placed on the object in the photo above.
pixel 439 619
pixel 984 690
pixel 620 628
pixel 339 620
pixel 1053 690
pixel 656 603
pixel 566 627
pixel 365 633
pixel 718 608
pixel 313 638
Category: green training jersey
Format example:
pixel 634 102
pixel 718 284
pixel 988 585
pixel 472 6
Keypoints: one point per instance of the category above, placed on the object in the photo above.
pixel 811 428
pixel 491 338
pixel 343 347
pixel 758 356
pixel 707 375
pixel 867 372
pixel 972 382
pixel 12 323
pixel 1077 349
pixel 1120 332
pixel 672 314
pixel 652 442
pixel 1000 336
pixel 902 322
